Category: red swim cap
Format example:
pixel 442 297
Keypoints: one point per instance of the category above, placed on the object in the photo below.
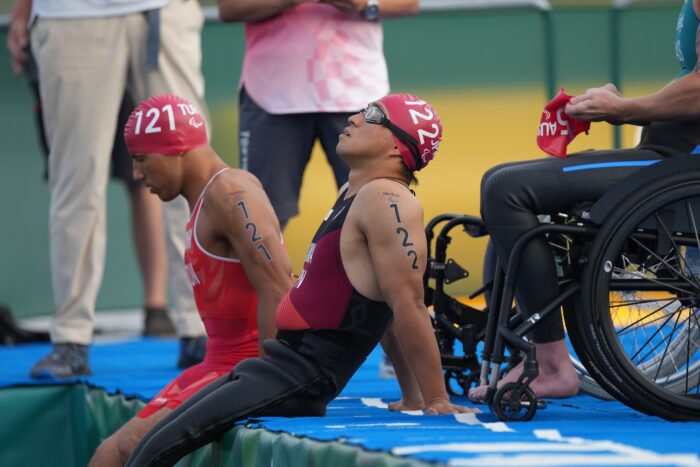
pixel 419 119
pixel 165 124
pixel 557 129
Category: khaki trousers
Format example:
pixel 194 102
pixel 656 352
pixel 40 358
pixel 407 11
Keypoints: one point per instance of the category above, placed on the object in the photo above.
pixel 84 67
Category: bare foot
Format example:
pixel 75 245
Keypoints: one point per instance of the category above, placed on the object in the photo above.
pixel 557 377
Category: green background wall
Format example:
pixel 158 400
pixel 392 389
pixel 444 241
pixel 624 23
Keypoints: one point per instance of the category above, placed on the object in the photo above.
pixel 484 70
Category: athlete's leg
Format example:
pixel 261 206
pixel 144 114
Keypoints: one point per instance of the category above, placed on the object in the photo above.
pixel 512 197
pixel 115 450
pixel 147 233
pixel 147 230
pixel 283 383
pixel 276 149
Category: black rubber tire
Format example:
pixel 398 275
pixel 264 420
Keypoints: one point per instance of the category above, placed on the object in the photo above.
pixel 602 345
pixel 514 409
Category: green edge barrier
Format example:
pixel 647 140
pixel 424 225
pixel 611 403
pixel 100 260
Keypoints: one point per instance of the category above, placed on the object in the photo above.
pixel 62 425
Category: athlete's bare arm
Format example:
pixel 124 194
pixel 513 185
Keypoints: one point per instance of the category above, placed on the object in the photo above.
pixel 254 10
pixel 388 8
pixel 246 222
pixel 411 395
pixel 390 219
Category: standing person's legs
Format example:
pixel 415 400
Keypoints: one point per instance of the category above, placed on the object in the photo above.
pixel 276 149
pixel 147 234
pixel 82 67
pixel 512 197
pixel 329 126
pixel 178 72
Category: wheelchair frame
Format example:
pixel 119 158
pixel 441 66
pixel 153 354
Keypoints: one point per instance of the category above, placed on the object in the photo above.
pixel 515 401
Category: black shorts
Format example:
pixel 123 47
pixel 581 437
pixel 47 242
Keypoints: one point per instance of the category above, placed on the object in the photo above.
pixel 276 149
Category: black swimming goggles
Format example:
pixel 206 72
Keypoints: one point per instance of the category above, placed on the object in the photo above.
pixel 374 114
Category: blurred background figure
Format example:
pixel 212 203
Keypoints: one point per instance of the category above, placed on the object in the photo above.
pixel 146 217
pixel 308 66
pixel 87 55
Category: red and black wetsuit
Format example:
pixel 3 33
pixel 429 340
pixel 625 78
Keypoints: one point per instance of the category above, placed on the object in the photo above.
pixel 323 310
pixel 326 330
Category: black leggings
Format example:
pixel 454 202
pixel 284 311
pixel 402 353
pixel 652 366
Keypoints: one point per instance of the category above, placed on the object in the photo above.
pixel 512 195
pixel 284 383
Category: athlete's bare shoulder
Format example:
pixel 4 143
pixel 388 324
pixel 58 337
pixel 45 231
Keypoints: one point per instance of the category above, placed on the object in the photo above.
pixel 382 191
pixel 235 179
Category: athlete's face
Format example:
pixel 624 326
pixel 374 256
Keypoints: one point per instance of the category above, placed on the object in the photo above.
pixel 364 137
pixel 159 173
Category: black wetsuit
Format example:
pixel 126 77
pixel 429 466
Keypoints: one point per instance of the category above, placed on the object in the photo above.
pixel 512 195
pixel 313 358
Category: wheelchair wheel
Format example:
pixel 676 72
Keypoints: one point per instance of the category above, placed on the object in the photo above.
pixel 641 300
pixel 520 405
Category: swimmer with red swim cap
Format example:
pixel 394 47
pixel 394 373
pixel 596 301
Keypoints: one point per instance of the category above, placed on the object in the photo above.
pixel 362 283
pixel 234 256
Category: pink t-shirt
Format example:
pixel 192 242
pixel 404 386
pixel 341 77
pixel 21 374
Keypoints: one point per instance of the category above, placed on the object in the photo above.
pixel 314 58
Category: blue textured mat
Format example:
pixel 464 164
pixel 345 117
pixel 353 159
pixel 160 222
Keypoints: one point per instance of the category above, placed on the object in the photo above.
pixel 581 431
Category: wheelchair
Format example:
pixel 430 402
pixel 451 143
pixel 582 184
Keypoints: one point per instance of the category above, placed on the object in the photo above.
pixel 629 292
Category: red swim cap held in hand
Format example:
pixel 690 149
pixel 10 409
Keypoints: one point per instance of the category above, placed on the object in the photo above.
pixel 165 124
pixel 420 121
pixel 557 129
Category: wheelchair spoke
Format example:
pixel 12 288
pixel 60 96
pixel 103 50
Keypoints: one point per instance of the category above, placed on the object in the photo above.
pixel 676 248
pixel 691 218
pixel 663 356
pixel 667 264
pixel 620 304
pixel 663 307
pixel 648 323
pixel 687 369
pixel 650 339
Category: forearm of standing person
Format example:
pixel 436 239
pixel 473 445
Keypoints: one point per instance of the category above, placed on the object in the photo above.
pixel 387 8
pixel 253 10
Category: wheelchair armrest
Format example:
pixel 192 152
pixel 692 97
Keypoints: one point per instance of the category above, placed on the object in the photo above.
pixel 666 168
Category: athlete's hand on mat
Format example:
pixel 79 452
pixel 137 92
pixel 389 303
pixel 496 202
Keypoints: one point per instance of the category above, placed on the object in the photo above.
pixel 17 42
pixel 442 406
pixel 597 104
pixel 402 404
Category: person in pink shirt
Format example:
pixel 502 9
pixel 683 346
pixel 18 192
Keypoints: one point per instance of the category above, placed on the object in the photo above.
pixel 308 66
